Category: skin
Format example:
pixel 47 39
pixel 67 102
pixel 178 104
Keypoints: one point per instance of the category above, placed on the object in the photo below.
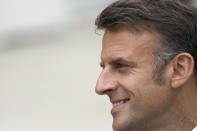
pixel 127 61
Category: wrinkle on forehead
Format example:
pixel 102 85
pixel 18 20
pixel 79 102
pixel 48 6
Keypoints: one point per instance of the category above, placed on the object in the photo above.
pixel 126 43
pixel 124 35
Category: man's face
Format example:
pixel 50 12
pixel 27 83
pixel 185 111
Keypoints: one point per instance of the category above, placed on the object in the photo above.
pixel 127 78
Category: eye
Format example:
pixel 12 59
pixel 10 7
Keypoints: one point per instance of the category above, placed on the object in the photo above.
pixel 122 68
pixel 102 65
pixel 120 65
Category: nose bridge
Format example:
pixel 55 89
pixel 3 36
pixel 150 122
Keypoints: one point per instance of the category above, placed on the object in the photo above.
pixel 106 81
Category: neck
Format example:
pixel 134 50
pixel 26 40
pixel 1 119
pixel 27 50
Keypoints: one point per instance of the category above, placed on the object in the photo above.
pixel 172 121
pixel 177 122
pixel 181 116
pixel 186 103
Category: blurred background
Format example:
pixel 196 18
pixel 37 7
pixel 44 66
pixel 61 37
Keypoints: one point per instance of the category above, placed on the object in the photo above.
pixel 49 63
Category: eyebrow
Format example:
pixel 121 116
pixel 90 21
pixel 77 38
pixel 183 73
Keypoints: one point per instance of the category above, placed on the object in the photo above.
pixel 120 60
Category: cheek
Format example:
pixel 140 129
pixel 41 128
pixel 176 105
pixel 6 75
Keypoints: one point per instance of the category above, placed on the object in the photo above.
pixel 129 85
pixel 145 92
pixel 134 85
pixel 153 98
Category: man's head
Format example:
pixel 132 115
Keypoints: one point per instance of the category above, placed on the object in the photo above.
pixel 174 22
pixel 149 50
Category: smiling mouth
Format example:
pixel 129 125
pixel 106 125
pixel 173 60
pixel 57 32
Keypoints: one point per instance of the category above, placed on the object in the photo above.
pixel 119 103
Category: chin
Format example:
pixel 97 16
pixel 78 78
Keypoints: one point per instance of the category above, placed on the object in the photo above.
pixel 119 125
pixel 120 128
pixel 126 122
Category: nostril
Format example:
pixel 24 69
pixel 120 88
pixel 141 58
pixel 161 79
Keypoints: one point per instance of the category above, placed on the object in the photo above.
pixel 101 90
pixel 107 91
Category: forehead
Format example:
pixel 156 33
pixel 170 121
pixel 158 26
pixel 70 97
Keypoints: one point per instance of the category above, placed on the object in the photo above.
pixel 127 43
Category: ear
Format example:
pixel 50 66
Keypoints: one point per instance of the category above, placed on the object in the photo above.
pixel 182 69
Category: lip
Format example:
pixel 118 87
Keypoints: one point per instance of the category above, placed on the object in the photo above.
pixel 119 106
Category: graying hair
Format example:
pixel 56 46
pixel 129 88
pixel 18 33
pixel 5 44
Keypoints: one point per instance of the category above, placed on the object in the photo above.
pixel 162 56
pixel 174 21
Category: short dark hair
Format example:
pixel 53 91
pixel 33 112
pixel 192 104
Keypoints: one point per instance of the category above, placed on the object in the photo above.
pixel 173 20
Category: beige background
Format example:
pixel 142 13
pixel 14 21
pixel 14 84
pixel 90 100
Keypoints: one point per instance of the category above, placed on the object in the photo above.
pixel 49 67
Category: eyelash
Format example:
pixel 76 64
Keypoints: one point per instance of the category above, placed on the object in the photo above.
pixel 102 65
pixel 119 65
pixel 116 66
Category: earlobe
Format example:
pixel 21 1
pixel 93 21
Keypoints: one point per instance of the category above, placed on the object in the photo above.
pixel 183 66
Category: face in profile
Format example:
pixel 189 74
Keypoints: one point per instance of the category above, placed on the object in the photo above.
pixel 127 78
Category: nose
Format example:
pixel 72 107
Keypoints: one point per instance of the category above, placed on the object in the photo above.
pixel 106 82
